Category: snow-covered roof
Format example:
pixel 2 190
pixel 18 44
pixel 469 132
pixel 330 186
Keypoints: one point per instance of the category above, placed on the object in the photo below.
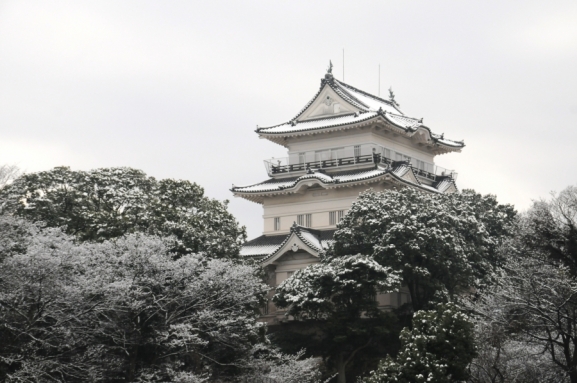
pixel 266 247
pixel 363 108
pixel 400 172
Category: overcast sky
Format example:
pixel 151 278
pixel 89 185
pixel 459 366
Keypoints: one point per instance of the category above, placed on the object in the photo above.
pixel 176 88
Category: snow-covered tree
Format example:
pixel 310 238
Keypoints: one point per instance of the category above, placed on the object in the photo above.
pixel 107 203
pixel 125 309
pixel 15 234
pixel 550 226
pixel 503 357
pixel 271 364
pixel 337 297
pixel 440 243
pixel 8 173
pixel 535 305
pixel 438 348
pixel 527 322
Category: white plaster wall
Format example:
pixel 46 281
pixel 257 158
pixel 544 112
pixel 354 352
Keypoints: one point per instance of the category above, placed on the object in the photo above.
pixel 318 202
pixel 355 137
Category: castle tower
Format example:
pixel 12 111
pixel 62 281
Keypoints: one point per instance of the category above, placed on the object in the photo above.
pixel 343 142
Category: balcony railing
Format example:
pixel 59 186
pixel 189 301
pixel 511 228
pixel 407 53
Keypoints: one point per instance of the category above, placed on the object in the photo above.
pixel 278 166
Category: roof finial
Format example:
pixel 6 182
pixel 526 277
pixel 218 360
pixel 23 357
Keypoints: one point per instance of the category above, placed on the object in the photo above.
pixel 330 69
pixel 392 96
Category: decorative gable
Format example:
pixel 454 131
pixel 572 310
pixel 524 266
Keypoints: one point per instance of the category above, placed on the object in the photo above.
pixel 327 104
pixel 294 243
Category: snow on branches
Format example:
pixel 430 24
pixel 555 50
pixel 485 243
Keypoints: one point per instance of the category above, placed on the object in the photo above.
pixel 107 203
pixel 437 349
pixel 440 243
pixel 335 284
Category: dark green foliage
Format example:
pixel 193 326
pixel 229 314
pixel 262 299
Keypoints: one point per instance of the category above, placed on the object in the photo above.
pixel 337 299
pixel 438 348
pixel 442 244
pixel 107 203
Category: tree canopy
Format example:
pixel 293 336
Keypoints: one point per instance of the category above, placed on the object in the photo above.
pixel 108 203
pixel 527 320
pixel 338 298
pixel 128 309
pixel 438 348
pixel 441 244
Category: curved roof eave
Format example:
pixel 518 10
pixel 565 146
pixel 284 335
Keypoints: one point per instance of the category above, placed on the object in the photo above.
pixel 372 117
pixel 278 252
pixel 390 174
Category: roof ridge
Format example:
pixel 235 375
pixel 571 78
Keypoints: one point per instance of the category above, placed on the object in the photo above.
pixel 263 130
pixel 315 119
pixel 352 98
pixel 296 229
pixel 337 86
pixel 394 105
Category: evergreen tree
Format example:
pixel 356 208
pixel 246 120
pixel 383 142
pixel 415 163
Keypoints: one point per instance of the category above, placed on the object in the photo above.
pixel 108 203
pixel 441 244
pixel 125 310
pixel 438 348
pixel 337 298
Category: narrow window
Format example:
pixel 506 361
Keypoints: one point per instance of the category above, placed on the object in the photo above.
pixel 332 217
pixel 336 216
pixel 357 150
pixel 265 308
pixel 302 158
pixel 276 223
pixel 308 220
pixel 301 219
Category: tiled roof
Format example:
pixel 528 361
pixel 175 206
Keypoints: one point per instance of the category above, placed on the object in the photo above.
pixel 399 169
pixel 334 178
pixel 399 172
pixel 291 127
pixel 266 245
pixel 263 245
pixel 370 106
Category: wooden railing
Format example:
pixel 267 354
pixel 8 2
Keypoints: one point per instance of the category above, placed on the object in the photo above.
pixel 347 161
pixel 321 164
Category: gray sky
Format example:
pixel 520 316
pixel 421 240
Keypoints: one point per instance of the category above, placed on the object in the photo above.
pixel 176 88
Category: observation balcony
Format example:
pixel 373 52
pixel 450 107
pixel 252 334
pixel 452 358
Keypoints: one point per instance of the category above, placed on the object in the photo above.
pixel 282 167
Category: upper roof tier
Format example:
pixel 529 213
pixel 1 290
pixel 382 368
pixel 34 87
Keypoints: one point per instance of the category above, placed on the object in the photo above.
pixel 339 106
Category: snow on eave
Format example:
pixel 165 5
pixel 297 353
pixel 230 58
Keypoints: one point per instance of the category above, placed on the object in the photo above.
pixel 373 117
pixel 294 232
pixel 366 94
pixel 349 94
pixel 396 174
pixel 299 233
pixel 312 121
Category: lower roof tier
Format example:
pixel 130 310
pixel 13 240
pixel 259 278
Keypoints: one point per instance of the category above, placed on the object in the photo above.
pixel 397 173
pixel 267 248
